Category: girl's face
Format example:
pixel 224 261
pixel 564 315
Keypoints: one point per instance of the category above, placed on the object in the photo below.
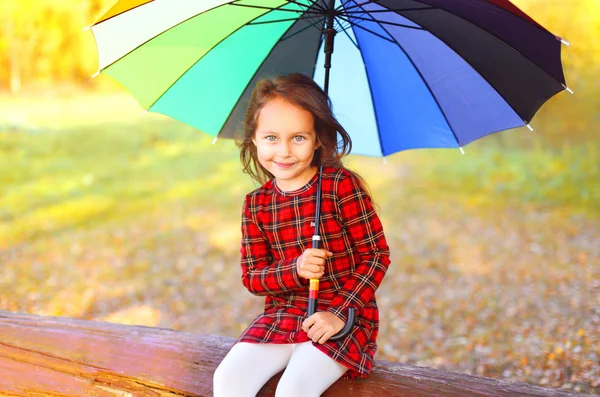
pixel 286 141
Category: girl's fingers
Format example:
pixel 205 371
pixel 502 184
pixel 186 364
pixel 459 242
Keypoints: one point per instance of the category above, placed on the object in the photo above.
pixel 326 254
pixel 318 253
pixel 311 259
pixel 314 275
pixel 325 337
pixel 308 323
pixel 311 329
pixel 315 268
pixel 316 334
pixel 309 275
pixel 315 261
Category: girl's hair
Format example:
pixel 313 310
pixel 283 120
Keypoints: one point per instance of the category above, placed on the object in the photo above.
pixel 303 92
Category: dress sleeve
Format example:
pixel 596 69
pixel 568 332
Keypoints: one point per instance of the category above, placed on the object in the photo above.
pixel 260 274
pixel 366 234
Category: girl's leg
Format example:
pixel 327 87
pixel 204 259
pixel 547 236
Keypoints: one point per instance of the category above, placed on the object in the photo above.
pixel 247 367
pixel 309 373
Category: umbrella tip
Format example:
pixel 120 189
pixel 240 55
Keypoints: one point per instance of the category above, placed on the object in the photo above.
pixel 570 91
pixel 86 28
pixel 96 74
pixel 144 112
pixel 530 128
pixel 384 160
pixel 461 150
pixel 214 140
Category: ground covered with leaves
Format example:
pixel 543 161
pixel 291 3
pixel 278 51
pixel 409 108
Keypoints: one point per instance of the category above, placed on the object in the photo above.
pixel 495 254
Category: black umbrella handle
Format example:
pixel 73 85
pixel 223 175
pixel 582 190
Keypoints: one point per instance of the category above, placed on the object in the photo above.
pixel 312 309
pixel 313 291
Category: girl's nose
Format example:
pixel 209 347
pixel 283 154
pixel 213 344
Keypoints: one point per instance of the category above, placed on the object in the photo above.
pixel 285 149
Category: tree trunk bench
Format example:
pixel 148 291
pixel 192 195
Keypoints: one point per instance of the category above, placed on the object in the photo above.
pixel 57 356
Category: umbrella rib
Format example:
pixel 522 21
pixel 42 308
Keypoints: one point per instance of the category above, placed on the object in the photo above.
pixel 262 63
pixel 355 17
pixel 274 9
pixel 387 10
pixel 501 41
pixel 198 60
pixel 275 21
pixel 163 32
pixel 316 5
pixel 194 16
pixel 342 7
pixel 370 93
pixel 508 45
pixel 315 17
pixel 369 83
pixel 482 28
pixel 535 23
pixel 387 23
pixel 341 27
pixel 303 29
pixel 367 30
pixel 393 10
pixel 350 38
pixel 424 81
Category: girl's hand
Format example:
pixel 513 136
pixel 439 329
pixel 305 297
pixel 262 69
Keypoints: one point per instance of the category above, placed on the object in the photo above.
pixel 311 264
pixel 321 326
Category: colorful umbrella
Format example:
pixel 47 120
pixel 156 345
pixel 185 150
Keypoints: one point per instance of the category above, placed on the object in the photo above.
pixel 407 73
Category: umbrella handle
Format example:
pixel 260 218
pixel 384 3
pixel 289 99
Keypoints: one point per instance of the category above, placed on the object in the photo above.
pixel 313 291
pixel 313 294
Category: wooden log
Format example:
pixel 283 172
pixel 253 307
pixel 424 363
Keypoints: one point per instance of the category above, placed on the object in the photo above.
pixel 57 356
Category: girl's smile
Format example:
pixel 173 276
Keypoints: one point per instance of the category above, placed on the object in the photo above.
pixel 286 141
pixel 285 166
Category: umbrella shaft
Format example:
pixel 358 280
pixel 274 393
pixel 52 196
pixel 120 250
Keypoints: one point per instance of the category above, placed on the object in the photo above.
pixel 329 36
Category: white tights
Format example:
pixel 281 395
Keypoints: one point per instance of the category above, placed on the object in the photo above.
pixel 248 366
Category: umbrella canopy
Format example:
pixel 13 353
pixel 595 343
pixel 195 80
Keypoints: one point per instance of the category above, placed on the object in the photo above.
pixel 405 74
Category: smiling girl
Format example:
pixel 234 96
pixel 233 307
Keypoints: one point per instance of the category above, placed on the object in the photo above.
pixel 290 132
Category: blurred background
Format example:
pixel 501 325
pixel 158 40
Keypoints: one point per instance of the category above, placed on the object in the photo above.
pixel 109 215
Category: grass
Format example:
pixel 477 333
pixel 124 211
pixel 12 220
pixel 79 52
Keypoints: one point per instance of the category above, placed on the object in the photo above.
pixel 111 216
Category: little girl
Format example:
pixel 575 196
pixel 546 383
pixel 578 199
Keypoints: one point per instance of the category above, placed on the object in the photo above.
pixel 290 132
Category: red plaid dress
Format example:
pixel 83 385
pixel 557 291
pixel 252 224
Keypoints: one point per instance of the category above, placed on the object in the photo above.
pixel 276 229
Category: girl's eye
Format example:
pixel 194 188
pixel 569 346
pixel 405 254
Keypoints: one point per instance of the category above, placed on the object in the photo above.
pixel 299 138
pixel 271 138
